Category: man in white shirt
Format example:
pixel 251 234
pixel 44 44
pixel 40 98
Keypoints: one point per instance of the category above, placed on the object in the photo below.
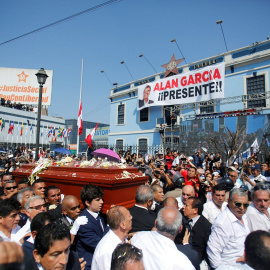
pixel 255 177
pixel 257 252
pixel 213 208
pixel 229 231
pixel 176 159
pixel 33 206
pixel 258 213
pixel 9 218
pixel 158 247
pixel 187 192
pixel 120 221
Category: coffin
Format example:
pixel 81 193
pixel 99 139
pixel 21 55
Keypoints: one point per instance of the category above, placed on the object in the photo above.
pixel 119 184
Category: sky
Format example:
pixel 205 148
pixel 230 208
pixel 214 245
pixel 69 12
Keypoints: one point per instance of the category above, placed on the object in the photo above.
pixel 119 32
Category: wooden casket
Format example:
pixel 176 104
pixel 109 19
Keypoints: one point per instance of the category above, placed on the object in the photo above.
pixel 119 182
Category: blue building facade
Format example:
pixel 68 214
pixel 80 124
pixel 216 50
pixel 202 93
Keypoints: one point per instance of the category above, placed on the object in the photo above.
pixel 246 103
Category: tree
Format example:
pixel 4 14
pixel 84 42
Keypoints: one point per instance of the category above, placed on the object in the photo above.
pixel 228 143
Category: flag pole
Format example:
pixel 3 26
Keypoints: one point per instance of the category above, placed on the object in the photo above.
pixel 78 137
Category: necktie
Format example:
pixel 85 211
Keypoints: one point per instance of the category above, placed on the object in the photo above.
pixel 188 224
pixel 100 222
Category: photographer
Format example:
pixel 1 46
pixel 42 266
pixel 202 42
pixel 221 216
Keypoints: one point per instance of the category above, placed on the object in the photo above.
pixel 161 178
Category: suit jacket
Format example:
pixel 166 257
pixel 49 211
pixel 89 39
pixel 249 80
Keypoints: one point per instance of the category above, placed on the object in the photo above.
pixel 199 235
pixel 88 237
pixel 142 219
pixel 192 254
pixel 141 102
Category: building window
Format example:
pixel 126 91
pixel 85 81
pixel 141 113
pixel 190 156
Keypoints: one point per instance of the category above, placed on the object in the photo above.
pixel 119 144
pixel 241 121
pixel 221 124
pixel 206 109
pixel 256 86
pixel 144 115
pixel 121 114
pixel 143 146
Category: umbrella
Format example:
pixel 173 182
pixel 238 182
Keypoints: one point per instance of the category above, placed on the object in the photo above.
pixel 62 150
pixel 106 153
pixel 2 150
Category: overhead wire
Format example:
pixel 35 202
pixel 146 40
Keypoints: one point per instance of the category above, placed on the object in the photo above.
pixel 63 20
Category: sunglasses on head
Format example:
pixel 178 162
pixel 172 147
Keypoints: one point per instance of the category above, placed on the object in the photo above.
pixel 258 187
pixel 238 204
pixel 9 188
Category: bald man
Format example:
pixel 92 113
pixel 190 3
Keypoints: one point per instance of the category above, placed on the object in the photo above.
pixel 158 248
pixel 71 209
pixel 187 192
pixel 171 202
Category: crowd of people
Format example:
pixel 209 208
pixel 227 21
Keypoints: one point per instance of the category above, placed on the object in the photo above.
pixel 193 212
pixel 18 106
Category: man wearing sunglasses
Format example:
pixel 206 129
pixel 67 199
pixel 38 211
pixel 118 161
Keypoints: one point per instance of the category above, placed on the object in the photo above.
pixel 258 214
pixel 229 231
pixel 10 189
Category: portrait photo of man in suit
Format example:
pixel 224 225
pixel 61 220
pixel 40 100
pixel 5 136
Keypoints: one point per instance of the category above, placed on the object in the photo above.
pixel 146 101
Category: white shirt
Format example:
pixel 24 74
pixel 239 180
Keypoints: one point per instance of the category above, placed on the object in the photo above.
pixel 259 178
pixel 236 267
pixel 257 220
pixel 95 215
pixel 176 161
pixel 160 252
pixel 23 231
pixel 153 206
pixel 12 236
pixel 226 241
pixel 180 202
pixel 103 252
pixel 211 211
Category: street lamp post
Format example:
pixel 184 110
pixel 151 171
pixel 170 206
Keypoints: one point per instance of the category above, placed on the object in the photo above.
pixel 220 23
pixel 174 40
pixel 41 77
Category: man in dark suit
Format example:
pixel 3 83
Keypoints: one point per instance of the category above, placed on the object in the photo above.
pixel 198 226
pixel 90 234
pixel 71 209
pixel 146 93
pixel 158 198
pixel 143 217
pixel 54 238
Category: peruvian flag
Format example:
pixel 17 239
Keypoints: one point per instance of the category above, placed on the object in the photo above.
pixel 91 135
pixel 79 122
pixel 11 127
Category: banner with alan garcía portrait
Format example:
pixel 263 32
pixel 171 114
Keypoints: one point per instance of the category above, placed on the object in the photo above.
pixel 190 87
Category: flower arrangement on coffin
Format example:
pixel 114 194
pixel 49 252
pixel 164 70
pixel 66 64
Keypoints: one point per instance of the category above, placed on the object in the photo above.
pixel 41 165
pixel 126 174
pixel 63 161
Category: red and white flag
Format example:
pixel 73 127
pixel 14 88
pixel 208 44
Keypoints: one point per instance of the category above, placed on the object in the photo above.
pixel 91 135
pixel 79 122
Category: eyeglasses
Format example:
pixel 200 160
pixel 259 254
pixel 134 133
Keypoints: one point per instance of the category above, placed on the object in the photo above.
pixel 231 175
pixel 258 187
pixel 38 207
pixel 9 188
pixel 238 204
